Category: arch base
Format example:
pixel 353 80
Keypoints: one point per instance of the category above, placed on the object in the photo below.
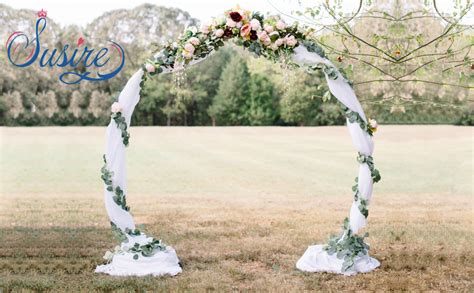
pixel 316 259
pixel 162 263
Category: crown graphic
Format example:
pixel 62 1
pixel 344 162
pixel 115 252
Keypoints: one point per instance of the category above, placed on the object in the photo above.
pixel 42 13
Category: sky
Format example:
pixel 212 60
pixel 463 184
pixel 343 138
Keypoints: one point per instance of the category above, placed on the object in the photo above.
pixel 81 12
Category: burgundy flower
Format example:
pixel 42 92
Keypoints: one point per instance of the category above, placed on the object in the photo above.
pixel 228 33
pixel 235 16
pixel 253 35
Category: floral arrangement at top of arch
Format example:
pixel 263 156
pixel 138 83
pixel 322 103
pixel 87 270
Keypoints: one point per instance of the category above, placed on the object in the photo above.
pixel 269 37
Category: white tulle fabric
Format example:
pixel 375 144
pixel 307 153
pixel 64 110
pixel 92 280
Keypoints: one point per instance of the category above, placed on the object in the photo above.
pixel 315 259
pixel 166 262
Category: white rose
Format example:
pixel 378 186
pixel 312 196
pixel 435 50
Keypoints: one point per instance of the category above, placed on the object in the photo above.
pixel 219 33
pixel 150 68
pixel 373 124
pixel 195 41
pixel 268 28
pixel 281 25
pixel 230 23
pixel 204 28
pixel 193 29
pixel 189 47
pixel 255 24
pixel 108 255
pixel 116 107
pixel 291 41
pixel 238 24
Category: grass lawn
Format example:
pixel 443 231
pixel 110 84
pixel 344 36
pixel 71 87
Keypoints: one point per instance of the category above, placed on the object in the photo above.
pixel 240 206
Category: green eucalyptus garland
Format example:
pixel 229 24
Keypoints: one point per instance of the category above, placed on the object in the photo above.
pixel 123 236
pixel 347 246
pixel 145 250
pixel 119 196
pixel 122 125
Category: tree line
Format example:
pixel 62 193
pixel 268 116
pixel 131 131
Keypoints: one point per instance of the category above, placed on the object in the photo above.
pixel 231 87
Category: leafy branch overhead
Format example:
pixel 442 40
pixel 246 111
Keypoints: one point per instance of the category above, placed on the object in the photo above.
pixel 404 52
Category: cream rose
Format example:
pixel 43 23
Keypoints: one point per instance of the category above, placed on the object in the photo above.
pixel 204 28
pixel 187 54
pixel 116 107
pixel 373 124
pixel 108 256
pixel 255 24
pixel 189 47
pixel 219 33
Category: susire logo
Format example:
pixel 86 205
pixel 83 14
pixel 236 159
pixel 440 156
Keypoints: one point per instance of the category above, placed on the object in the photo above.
pixel 79 61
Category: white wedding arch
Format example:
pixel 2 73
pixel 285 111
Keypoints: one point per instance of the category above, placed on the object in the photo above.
pixel 269 37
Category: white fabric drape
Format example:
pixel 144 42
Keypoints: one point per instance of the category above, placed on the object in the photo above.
pixel 115 152
pixel 362 140
pixel 164 262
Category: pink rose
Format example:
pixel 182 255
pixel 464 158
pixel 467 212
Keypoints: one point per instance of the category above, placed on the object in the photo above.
pixel 219 33
pixel 264 38
pixel 150 68
pixel 291 41
pixel 116 107
pixel 279 42
pixel 281 25
pixel 189 47
pixel 204 28
pixel 230 23
pixel 195 41
pixel 268 28
pixel 255 24
pixel 245 30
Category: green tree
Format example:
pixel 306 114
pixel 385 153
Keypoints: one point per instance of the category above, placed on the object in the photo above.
pixel 203 80
pixel 263 106
pixel 299 100
pixel 229 106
